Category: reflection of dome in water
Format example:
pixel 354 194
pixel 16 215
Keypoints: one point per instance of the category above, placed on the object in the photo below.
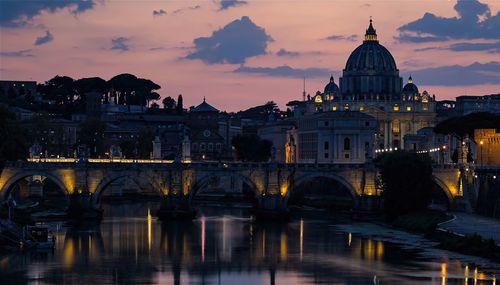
pixel 370 68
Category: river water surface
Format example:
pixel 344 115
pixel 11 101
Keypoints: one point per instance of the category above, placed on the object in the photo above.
pixel 227 247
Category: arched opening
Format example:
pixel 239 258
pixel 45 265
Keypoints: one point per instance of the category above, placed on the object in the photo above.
pixel 121 188
pixel 37 196
pixel 322 192
pixel 224 189
pixel 440 196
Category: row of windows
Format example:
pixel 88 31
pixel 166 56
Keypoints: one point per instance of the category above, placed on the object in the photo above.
pixel 395 108
pixel 204 146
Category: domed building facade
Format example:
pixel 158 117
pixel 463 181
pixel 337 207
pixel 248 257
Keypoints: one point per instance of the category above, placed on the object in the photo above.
pixel 371 84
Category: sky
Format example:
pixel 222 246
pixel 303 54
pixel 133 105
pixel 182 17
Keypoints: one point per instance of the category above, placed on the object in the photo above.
pixel 242 53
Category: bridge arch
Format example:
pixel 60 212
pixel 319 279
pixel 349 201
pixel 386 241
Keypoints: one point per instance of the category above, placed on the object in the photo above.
pixel 441 184
pixel 334 176
pixel 13 180
pixel 104 183
pixel 202 181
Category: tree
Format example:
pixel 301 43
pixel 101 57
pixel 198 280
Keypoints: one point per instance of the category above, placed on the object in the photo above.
pixel 251 148
pixel 168 103
pixel 454 156
pixel 407 182
pixel 92 135
pixel 145 143
pixel 465 125
pixel 179 107
pixel 13 145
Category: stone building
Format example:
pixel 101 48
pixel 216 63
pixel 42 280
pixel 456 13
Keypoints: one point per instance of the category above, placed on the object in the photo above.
pixel 332 137
pixel 487 146
pixel 206 142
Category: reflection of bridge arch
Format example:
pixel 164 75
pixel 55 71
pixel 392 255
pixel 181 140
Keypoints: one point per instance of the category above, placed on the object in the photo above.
pixel 440 183
pixel 104 183
pixel 7 188
pixel 206 179
pixel 310 177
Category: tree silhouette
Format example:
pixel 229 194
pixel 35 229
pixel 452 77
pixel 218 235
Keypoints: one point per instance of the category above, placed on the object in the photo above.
pixel 407 182
pixel 168 103
pixel 180 107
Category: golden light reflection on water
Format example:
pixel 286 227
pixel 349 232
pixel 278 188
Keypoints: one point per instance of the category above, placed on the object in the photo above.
pixel 69 253
pixel 149 229
pixel 283 246
pixel 443 273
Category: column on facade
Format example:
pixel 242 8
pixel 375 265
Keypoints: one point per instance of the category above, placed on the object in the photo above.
pixel 402 132
pixel 391 139
pixel 386 134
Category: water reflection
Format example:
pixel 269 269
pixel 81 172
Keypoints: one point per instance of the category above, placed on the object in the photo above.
pixel 224 247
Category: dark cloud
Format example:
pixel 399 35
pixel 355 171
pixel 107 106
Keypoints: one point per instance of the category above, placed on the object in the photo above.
pixel 284 52
pixel 47 38
pixel 284 71
pixel 15 13
pixel 459 75
pixel 20 53
pixel 226 4
pixel 234 43
pixel 120 43
pixel 351 38
pixel 160 12
pixel 474 21
pixel 487 47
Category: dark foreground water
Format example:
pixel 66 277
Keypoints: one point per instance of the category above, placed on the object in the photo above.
pixel 227 247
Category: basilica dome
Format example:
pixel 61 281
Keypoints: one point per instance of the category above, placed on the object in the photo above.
pixel 410 87
pixel 371 68
pixel 331 87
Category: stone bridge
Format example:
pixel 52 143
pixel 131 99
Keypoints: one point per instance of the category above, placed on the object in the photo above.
pixel 272 183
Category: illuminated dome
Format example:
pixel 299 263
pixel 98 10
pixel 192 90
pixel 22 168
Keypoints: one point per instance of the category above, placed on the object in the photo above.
pixel 371 68
pixel 410 87
pixel 331 87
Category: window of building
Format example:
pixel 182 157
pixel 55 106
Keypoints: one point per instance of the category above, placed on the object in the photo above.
pixel 210 147
pixel 408 108
pixel 326 154
pixel 334 108
pixel 326 145
pixel 395 108
pixel 326 123
pixel 194 146
pixel 346 155
pixel 202 146
pixel 218 146
pixel 347 144
pixel 361 108
pixel 367 124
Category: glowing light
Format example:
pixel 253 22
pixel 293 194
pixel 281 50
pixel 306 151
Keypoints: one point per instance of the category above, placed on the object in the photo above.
pixel 408 108
pixel 350 239
pixel 466 273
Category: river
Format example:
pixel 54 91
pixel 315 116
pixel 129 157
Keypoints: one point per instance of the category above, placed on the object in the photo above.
pixel 225 246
